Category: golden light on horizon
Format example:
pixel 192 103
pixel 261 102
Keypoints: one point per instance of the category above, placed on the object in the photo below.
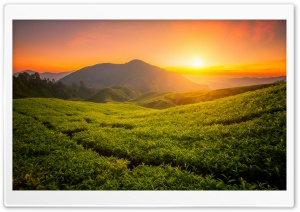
pixel 197 63
pixel 266 69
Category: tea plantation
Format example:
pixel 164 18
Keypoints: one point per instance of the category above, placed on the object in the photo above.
pixel 232 143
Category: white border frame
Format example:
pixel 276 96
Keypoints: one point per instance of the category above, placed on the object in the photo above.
pixel 147 198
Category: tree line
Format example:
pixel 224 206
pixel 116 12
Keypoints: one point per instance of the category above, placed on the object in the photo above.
pixel 29 86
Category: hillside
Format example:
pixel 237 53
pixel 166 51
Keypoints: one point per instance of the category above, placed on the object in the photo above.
pixel 203 96
pixel 114 94
pixel 135 74
pixel 153 100
pixel 165 100
pixel 232 143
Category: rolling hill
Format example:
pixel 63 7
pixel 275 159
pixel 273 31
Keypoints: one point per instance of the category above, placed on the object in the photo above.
pixel 163 100
pixel 171 99
pixel 114 94
pixel 153 100
pixel 233 143
pixel 136 74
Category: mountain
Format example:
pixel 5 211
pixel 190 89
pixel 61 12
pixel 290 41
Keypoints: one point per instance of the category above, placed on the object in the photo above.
pixel 115 94
pixel 135 74
pixel 46 75
pixel 245 81
pixel 224 82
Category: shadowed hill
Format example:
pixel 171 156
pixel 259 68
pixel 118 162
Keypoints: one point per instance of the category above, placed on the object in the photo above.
pixel 135 74
pixel 154 100
pixel 116 94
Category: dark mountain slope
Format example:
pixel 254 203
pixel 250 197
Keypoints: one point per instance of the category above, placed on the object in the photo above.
pixel 135 74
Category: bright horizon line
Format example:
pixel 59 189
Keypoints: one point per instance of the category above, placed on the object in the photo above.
pixel 223 70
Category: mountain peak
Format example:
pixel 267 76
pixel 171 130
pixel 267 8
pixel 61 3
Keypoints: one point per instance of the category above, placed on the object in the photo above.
pixel 136 74
pixel 136 61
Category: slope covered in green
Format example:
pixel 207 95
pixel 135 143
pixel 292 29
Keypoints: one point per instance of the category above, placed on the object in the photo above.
pixel 166 100
pixel 233 143
pixel 114 94
pixel 209 95
pixel 153 100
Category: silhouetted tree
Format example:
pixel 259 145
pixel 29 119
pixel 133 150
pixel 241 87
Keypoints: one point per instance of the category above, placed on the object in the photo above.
pixel 25 85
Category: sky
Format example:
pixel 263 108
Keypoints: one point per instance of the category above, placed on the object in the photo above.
pixel 234 48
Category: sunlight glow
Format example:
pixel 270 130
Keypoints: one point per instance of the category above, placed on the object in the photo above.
pixel 197 63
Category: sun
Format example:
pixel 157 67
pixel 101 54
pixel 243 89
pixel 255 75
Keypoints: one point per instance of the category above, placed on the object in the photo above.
pixel 197 63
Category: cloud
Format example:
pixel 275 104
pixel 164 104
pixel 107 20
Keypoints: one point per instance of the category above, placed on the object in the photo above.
pixel 257 31
pixel 264 31
pixel 78 41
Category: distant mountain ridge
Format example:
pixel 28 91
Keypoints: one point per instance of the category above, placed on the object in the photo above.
pixel 245 81
pixel 47 75
pixel 224 82
pixel 136 74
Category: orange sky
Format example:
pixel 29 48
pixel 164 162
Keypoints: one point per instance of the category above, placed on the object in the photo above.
pixel 232 47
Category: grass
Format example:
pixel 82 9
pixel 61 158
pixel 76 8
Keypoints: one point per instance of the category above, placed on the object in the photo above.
pixel 172 99
pixel 237 142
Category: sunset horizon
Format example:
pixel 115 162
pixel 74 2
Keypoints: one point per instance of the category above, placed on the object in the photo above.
pixel 238 48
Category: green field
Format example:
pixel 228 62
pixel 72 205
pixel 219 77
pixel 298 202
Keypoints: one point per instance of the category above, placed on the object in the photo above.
pixel 233 143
